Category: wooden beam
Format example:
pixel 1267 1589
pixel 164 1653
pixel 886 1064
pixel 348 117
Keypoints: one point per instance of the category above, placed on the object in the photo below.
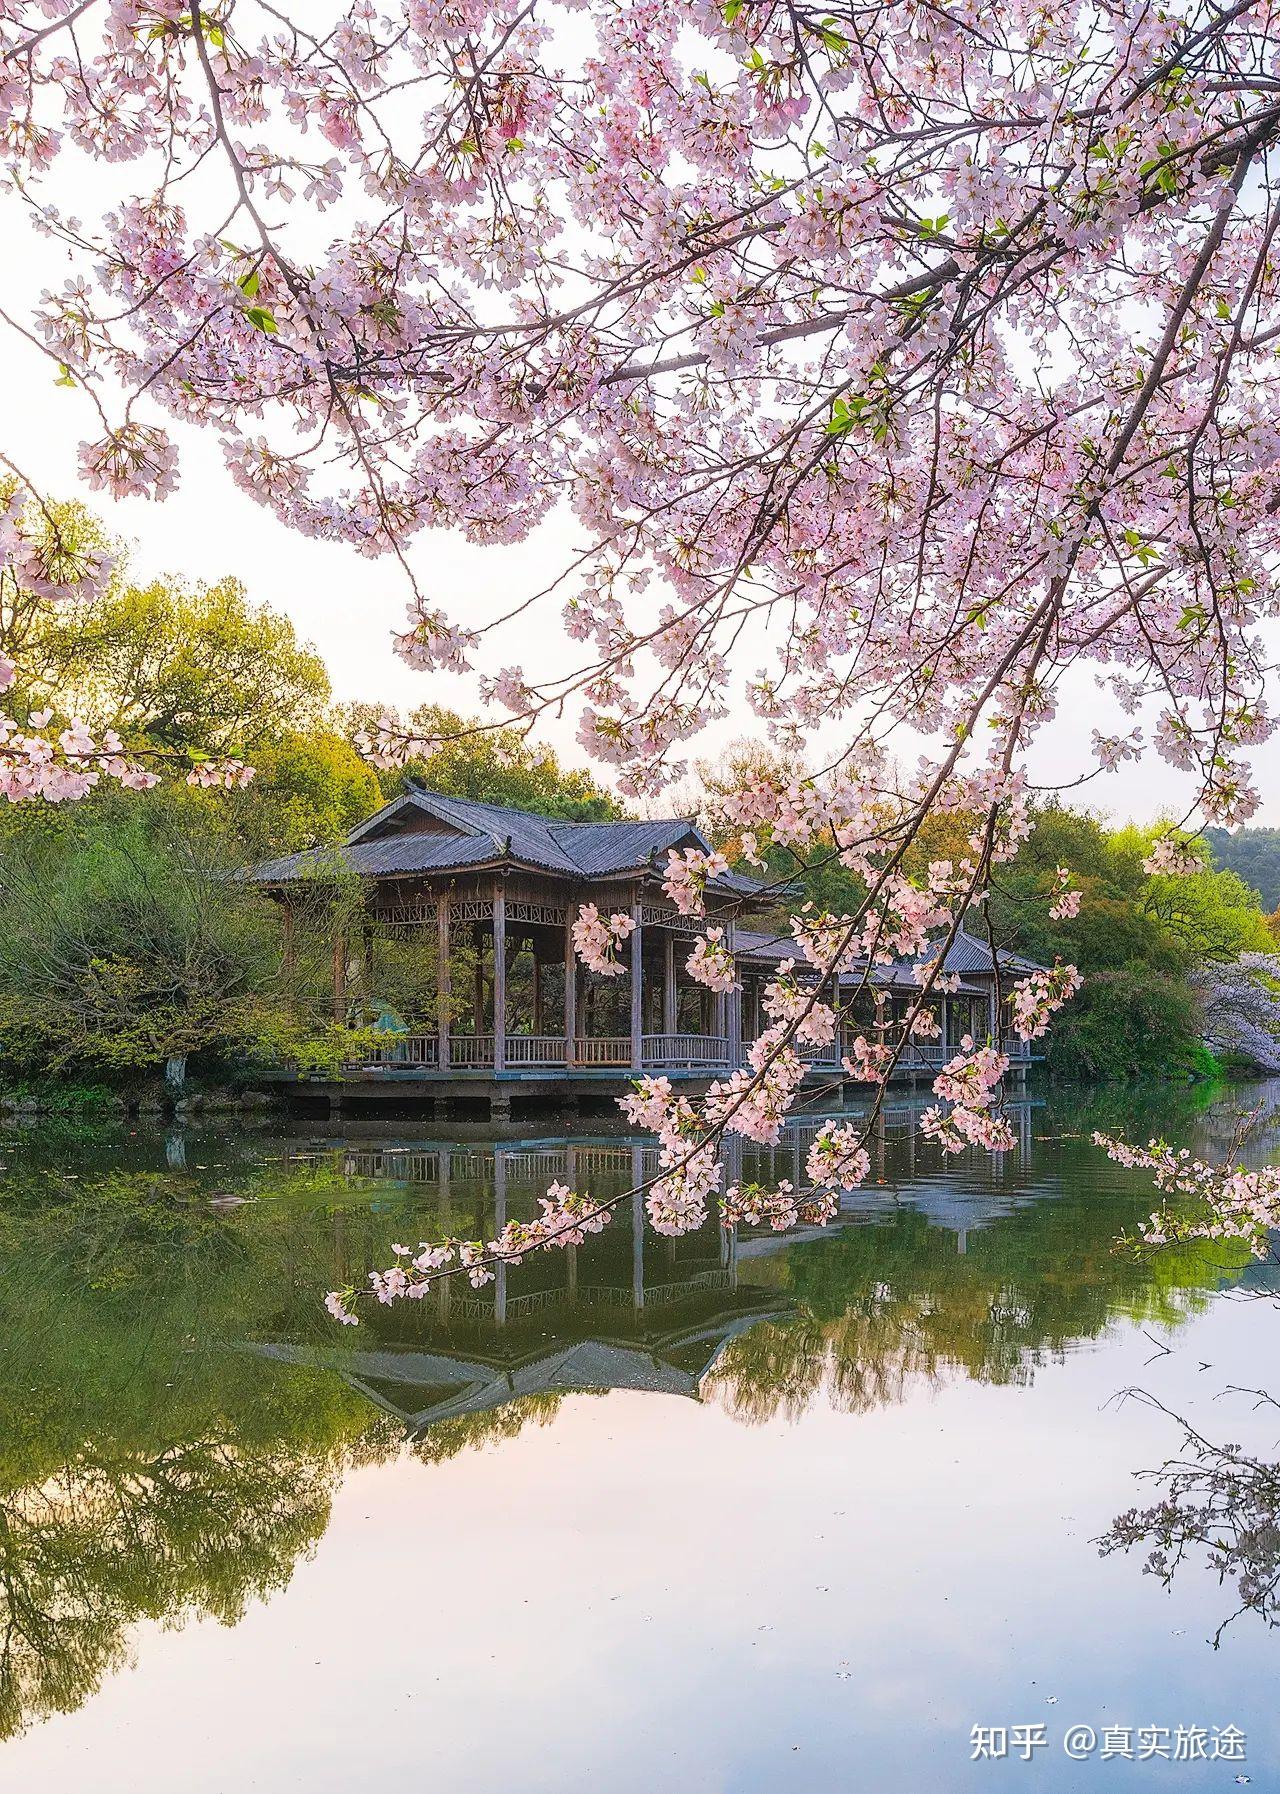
pixel 670 999
pixel 735 999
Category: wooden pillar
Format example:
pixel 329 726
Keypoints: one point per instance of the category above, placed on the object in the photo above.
pixel 637 988
pixel 670 994
pixel 537 986
pixel 444 980
pixel 340 976
pixel 945 1017
pixel 499 976
pixel 993 1020
pixel 570 993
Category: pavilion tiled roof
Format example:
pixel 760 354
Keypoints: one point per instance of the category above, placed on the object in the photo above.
pixel 484 834
pixel 967 956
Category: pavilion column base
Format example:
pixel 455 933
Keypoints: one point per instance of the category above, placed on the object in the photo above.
pixel 500 1105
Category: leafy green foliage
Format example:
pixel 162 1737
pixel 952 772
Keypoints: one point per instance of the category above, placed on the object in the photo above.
pixel 1253 853
pixel 492 766
pixel 1137 940
pixel 122 943
pixel 1130 1022
pixel 187 669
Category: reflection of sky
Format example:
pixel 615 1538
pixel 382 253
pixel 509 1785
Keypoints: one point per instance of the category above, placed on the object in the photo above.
pixel 646 1594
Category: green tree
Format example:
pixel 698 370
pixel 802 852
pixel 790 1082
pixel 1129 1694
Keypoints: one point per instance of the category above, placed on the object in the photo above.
pixel 123 942
pixel 1254 853
pixel 187 669
pixel 308 790
pixel 495 766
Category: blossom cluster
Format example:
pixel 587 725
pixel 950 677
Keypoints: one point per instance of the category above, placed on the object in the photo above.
pixel 1203 1201
pixel 1038 997
pixel 597 939
pixel 687 876
pixel 566 1219
pixel 711 962
pixel 969 1083
pixel 754 1205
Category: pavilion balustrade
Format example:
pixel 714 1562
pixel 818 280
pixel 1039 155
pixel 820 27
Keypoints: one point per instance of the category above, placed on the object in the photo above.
pixel 483 977
pixel 673 1050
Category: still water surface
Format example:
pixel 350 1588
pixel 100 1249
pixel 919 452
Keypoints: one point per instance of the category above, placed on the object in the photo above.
pixel 768 1514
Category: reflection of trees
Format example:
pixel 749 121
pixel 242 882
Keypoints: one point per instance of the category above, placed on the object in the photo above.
pixel 862 1360
pixel 194 1528
pixel 449 1438
pixel 150 1468
pixel 147 1470
pixel 882 1306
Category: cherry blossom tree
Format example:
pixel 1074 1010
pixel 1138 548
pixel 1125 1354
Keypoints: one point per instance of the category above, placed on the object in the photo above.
pixel 896 364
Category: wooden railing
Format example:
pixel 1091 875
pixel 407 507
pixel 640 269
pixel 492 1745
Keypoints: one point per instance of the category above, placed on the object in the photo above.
pixel 407 1049
pixel 685 1049
pixel 474 1052
pixel 536 1049
pixel 604 1049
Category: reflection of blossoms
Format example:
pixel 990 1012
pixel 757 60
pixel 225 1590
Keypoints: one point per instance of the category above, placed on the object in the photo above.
pixel 1216 1502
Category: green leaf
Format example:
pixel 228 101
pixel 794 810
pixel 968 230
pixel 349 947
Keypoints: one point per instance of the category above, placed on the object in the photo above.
pixel 248 284
pixel 731 10
pixel 65 376
pixel 261 319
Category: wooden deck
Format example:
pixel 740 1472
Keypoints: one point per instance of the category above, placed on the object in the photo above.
pixel 543 1070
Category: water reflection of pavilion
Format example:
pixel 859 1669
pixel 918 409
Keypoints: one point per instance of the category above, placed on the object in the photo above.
pixel 959 1198
pixel 421 1388
pixel 584 1324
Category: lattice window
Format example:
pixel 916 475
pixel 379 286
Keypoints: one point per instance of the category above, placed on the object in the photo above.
pixel 554 915
pixel 471 909
pixel 411 912
pixel 659 915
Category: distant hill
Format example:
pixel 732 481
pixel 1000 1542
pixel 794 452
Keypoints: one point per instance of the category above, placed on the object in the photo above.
pixel 1253 853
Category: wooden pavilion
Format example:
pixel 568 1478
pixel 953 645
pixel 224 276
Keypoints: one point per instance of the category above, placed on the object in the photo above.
pixel 485 897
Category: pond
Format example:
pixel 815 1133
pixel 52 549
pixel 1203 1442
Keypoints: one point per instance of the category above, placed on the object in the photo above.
pixel 765 1513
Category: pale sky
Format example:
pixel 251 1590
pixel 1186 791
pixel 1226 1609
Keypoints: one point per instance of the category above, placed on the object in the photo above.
pixel 349 606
